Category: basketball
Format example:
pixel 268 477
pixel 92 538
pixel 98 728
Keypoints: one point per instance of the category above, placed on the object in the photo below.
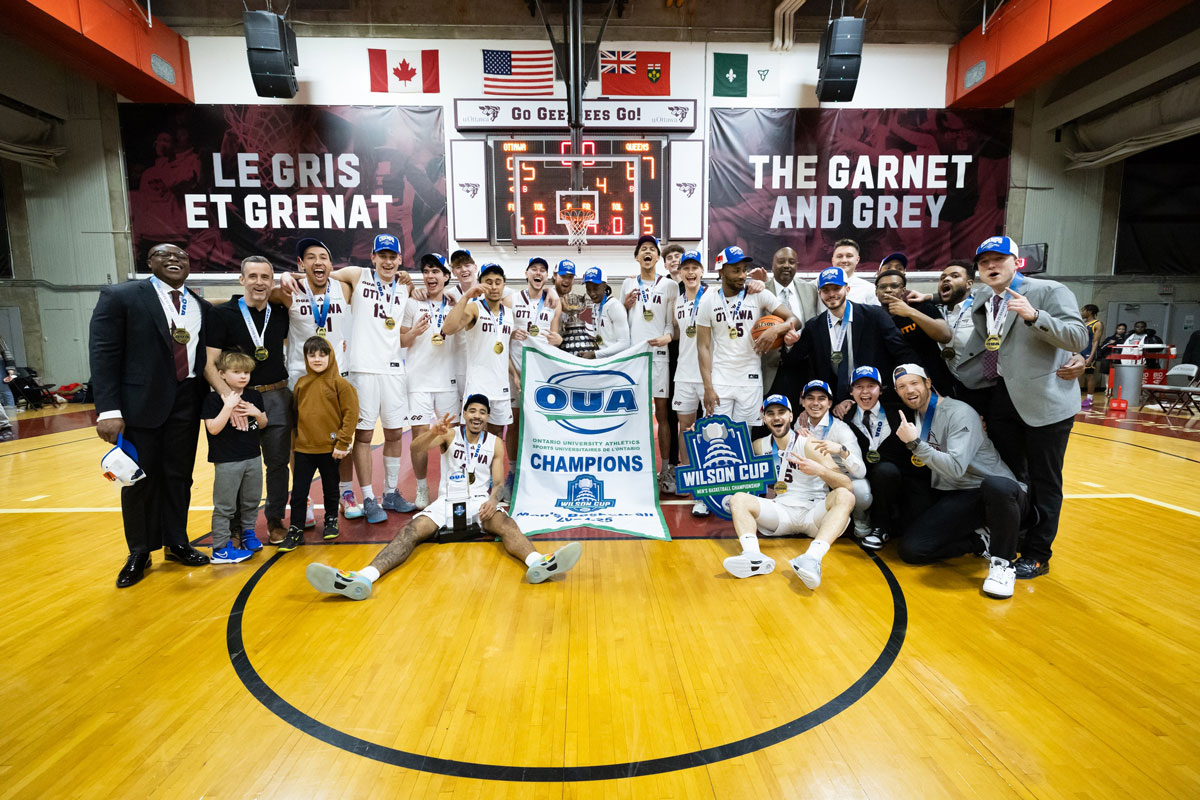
pixel 762 325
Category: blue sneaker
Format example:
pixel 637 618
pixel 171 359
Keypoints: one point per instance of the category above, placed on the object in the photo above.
pixel 372 511
pixel 394 501
pixel 229 555
pixel 250 541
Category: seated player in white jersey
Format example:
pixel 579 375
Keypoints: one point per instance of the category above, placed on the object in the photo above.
pixel 730 358
pixel 689 388
pixel 649 297
pixel 430 365
pixel 812 497
pixel 835 438
pixel 467 505
pixel 610 324
pixel 485 320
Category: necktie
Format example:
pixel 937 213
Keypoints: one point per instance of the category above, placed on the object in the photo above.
pixel 991 358
pixel 180 349
pixel 783 297
pixel 867 421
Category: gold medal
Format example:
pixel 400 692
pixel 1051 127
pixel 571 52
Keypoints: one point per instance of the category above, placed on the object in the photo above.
pixel 499 348
pixel 471 478
pixel 691 331
pixel 949 353
pixel 533 330
pixel 836 357
pixel 648 315
pixel 599 342
pixel 916 462
pixel 181 335
pixel 733 334
pixel 873 456
pixel 437 339
pixel 992 342
pixel 321 332
pixel 261 354
pixel 389 323
pixel 780 487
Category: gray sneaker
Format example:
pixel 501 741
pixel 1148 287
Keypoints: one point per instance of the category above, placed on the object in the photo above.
pixel 562 560
pixel 807 569
pixel 394 501
pixel 372 511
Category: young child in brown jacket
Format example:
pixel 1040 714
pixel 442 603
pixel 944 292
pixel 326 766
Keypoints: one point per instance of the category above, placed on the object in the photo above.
pixel 325 410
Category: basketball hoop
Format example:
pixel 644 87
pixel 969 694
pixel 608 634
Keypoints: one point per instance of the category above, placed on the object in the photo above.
pixel 577 221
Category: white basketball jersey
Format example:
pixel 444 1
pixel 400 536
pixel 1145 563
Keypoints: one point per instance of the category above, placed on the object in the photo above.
pixel 302 325
pixel 486 370
pixel 657 297
pixel 686 312
pixel 377 348
pixel 431 367
pixel 472 459
pixel 734 361
pixel 529 312
pixel 801 489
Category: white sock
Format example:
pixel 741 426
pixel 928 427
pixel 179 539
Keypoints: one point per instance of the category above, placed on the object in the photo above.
pixel 391 472
pixel 368 491
pixel 817 549
pixel 749 543
pixel 346 486
pixel 422 485
pixel 533 558
pixel 370 573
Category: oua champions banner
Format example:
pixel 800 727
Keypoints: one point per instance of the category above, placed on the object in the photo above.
pixel 586 455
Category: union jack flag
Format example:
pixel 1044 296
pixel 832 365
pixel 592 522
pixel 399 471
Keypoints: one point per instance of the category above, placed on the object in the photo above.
pixel 618 62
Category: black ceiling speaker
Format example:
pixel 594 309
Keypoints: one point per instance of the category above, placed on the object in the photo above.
pixel 839 59
pixel 271 51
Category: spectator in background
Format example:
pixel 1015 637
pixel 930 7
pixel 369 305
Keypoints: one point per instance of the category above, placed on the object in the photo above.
pixel 845 257
pixel 1108 347
pixel 6 396
pixel 1091 353
pixel 894 261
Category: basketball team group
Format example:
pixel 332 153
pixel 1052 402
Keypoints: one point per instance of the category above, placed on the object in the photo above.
pixel 940 421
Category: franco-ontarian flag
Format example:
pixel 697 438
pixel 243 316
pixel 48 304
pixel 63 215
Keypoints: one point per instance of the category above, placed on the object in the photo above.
pixel 586 455
pixel 741 75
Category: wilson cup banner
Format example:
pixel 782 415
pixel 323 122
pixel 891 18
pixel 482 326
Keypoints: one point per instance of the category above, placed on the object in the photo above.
pixel 586 455
pixel 929 183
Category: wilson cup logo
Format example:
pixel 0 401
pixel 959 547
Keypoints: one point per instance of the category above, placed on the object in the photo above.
pixel 589 402
pixel 722 463
pixel 585 494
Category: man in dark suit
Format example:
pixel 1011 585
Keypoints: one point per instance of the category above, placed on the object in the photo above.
pixel 843 337
pixel 147 361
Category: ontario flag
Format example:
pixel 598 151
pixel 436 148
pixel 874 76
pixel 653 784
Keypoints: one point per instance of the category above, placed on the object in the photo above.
pixel 404 70
pixel 640 72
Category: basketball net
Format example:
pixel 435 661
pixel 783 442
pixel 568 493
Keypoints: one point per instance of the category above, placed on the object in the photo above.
pixel 577 221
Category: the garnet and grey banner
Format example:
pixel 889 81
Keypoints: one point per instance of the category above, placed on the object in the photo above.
pixel 226 182
pixel 929 183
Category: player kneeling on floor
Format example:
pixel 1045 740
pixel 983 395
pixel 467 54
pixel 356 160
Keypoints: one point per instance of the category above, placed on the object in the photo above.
pixel 466 508
pixel 812 496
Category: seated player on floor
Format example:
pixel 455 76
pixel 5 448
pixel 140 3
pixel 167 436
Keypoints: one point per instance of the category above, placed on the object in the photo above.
pixel 812 496
pixel 472 476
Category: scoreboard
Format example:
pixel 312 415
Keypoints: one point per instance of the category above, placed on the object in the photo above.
pixel 628 188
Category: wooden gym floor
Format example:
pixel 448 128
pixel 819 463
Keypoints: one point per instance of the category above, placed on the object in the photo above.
pixel 646 672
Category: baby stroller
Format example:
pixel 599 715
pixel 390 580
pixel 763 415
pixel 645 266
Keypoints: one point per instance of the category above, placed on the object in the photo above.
pixel 28 389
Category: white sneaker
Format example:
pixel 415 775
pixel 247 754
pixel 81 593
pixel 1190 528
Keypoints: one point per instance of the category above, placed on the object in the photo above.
pixel 699 509
pixel 557 563
pixel 332 581
pixel 747 566
pixel 309 520
pixel 422 498
pixel 1002 576
pixel 807 569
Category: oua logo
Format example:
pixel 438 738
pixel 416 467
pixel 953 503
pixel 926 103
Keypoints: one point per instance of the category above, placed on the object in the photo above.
pixel 586 401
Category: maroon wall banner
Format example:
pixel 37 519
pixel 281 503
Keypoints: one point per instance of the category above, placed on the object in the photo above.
pixel 929 183
pixel 226 182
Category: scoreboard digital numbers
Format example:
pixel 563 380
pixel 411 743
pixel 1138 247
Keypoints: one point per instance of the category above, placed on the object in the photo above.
pixel 628 189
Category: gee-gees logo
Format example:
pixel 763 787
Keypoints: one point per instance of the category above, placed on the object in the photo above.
pixel 586 402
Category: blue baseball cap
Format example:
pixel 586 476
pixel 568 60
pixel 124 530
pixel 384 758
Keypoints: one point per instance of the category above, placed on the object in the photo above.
pixel 732 255
pixel 435 260
pixel 903 259
pixel 565 267
pixel 777 400
pixel 538 260
pixel 831 276
pixel 385 241
pixel 304 244
pixel 865 372
pixel 464 255
pixel 816 384
pixel 593 275
pixel 997 244
pixel 692 255
pixel 490 267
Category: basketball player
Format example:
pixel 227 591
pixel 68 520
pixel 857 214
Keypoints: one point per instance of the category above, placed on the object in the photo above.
pixel 730 359
pixel 432 384
pixel 688 388
pixel 486 321
pixel 319 306
pixel 472 473
pixel 835 439
pixel 978 502
pixel 1091 353
pixel 812 496
pixel 564 279
pixel 650 300
pixel 610 322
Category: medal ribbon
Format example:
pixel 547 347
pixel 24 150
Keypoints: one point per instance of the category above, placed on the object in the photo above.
pixel 469 461
pixel 499 322
pixel 996 317
pixel 255 335
pixel 873 439
pixel 730 321
pixel 927 417
pixel 441 313
pixel 963 311
pixel 391 296
pixel 847 315
pixel 174 318
pixel 644 293
pixel 326 304
pixel 781 458
pixel 828 425
pixel 696 305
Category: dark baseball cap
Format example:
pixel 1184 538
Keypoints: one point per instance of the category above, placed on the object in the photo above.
pixel 646 238
pixel 477 398
pixel 304 244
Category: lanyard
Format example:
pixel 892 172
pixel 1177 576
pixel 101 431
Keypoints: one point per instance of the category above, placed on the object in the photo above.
pixel 391 294
pixel 644 293
pixel 176 318
pixel 927 417
pixel 469 461
pixel 441 313
pixel 825 432
pixel 847 316
pixel 996 316
pixel 781 458
pixel 541 304
pixel 499 322
pixel 730 321
pixel 963 310
pixel 255 335
pixel 696 304
pixel 873 438
pixel 326 304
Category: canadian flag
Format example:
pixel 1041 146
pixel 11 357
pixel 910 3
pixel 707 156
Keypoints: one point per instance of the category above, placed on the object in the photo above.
pixel 404 70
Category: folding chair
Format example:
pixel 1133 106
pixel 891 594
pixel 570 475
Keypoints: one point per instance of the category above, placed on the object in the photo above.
pixel 1181 391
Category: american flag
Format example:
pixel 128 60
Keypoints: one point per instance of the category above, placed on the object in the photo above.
pixel 618 62
pixel 518 73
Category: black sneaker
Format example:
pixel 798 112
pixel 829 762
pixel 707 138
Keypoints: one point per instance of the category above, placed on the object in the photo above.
pixel 1030 568
pixel 294 538
pixel 331 529
pixel 876 539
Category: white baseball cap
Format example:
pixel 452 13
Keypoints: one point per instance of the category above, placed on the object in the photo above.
pixel 908 369
pixel 120 465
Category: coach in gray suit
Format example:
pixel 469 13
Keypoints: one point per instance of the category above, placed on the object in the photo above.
pixel 1025 329
pixel 799 296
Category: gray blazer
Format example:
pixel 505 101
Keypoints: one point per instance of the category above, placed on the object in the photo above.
pixel 958 453
pixel 1030 352
pixel 809 303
